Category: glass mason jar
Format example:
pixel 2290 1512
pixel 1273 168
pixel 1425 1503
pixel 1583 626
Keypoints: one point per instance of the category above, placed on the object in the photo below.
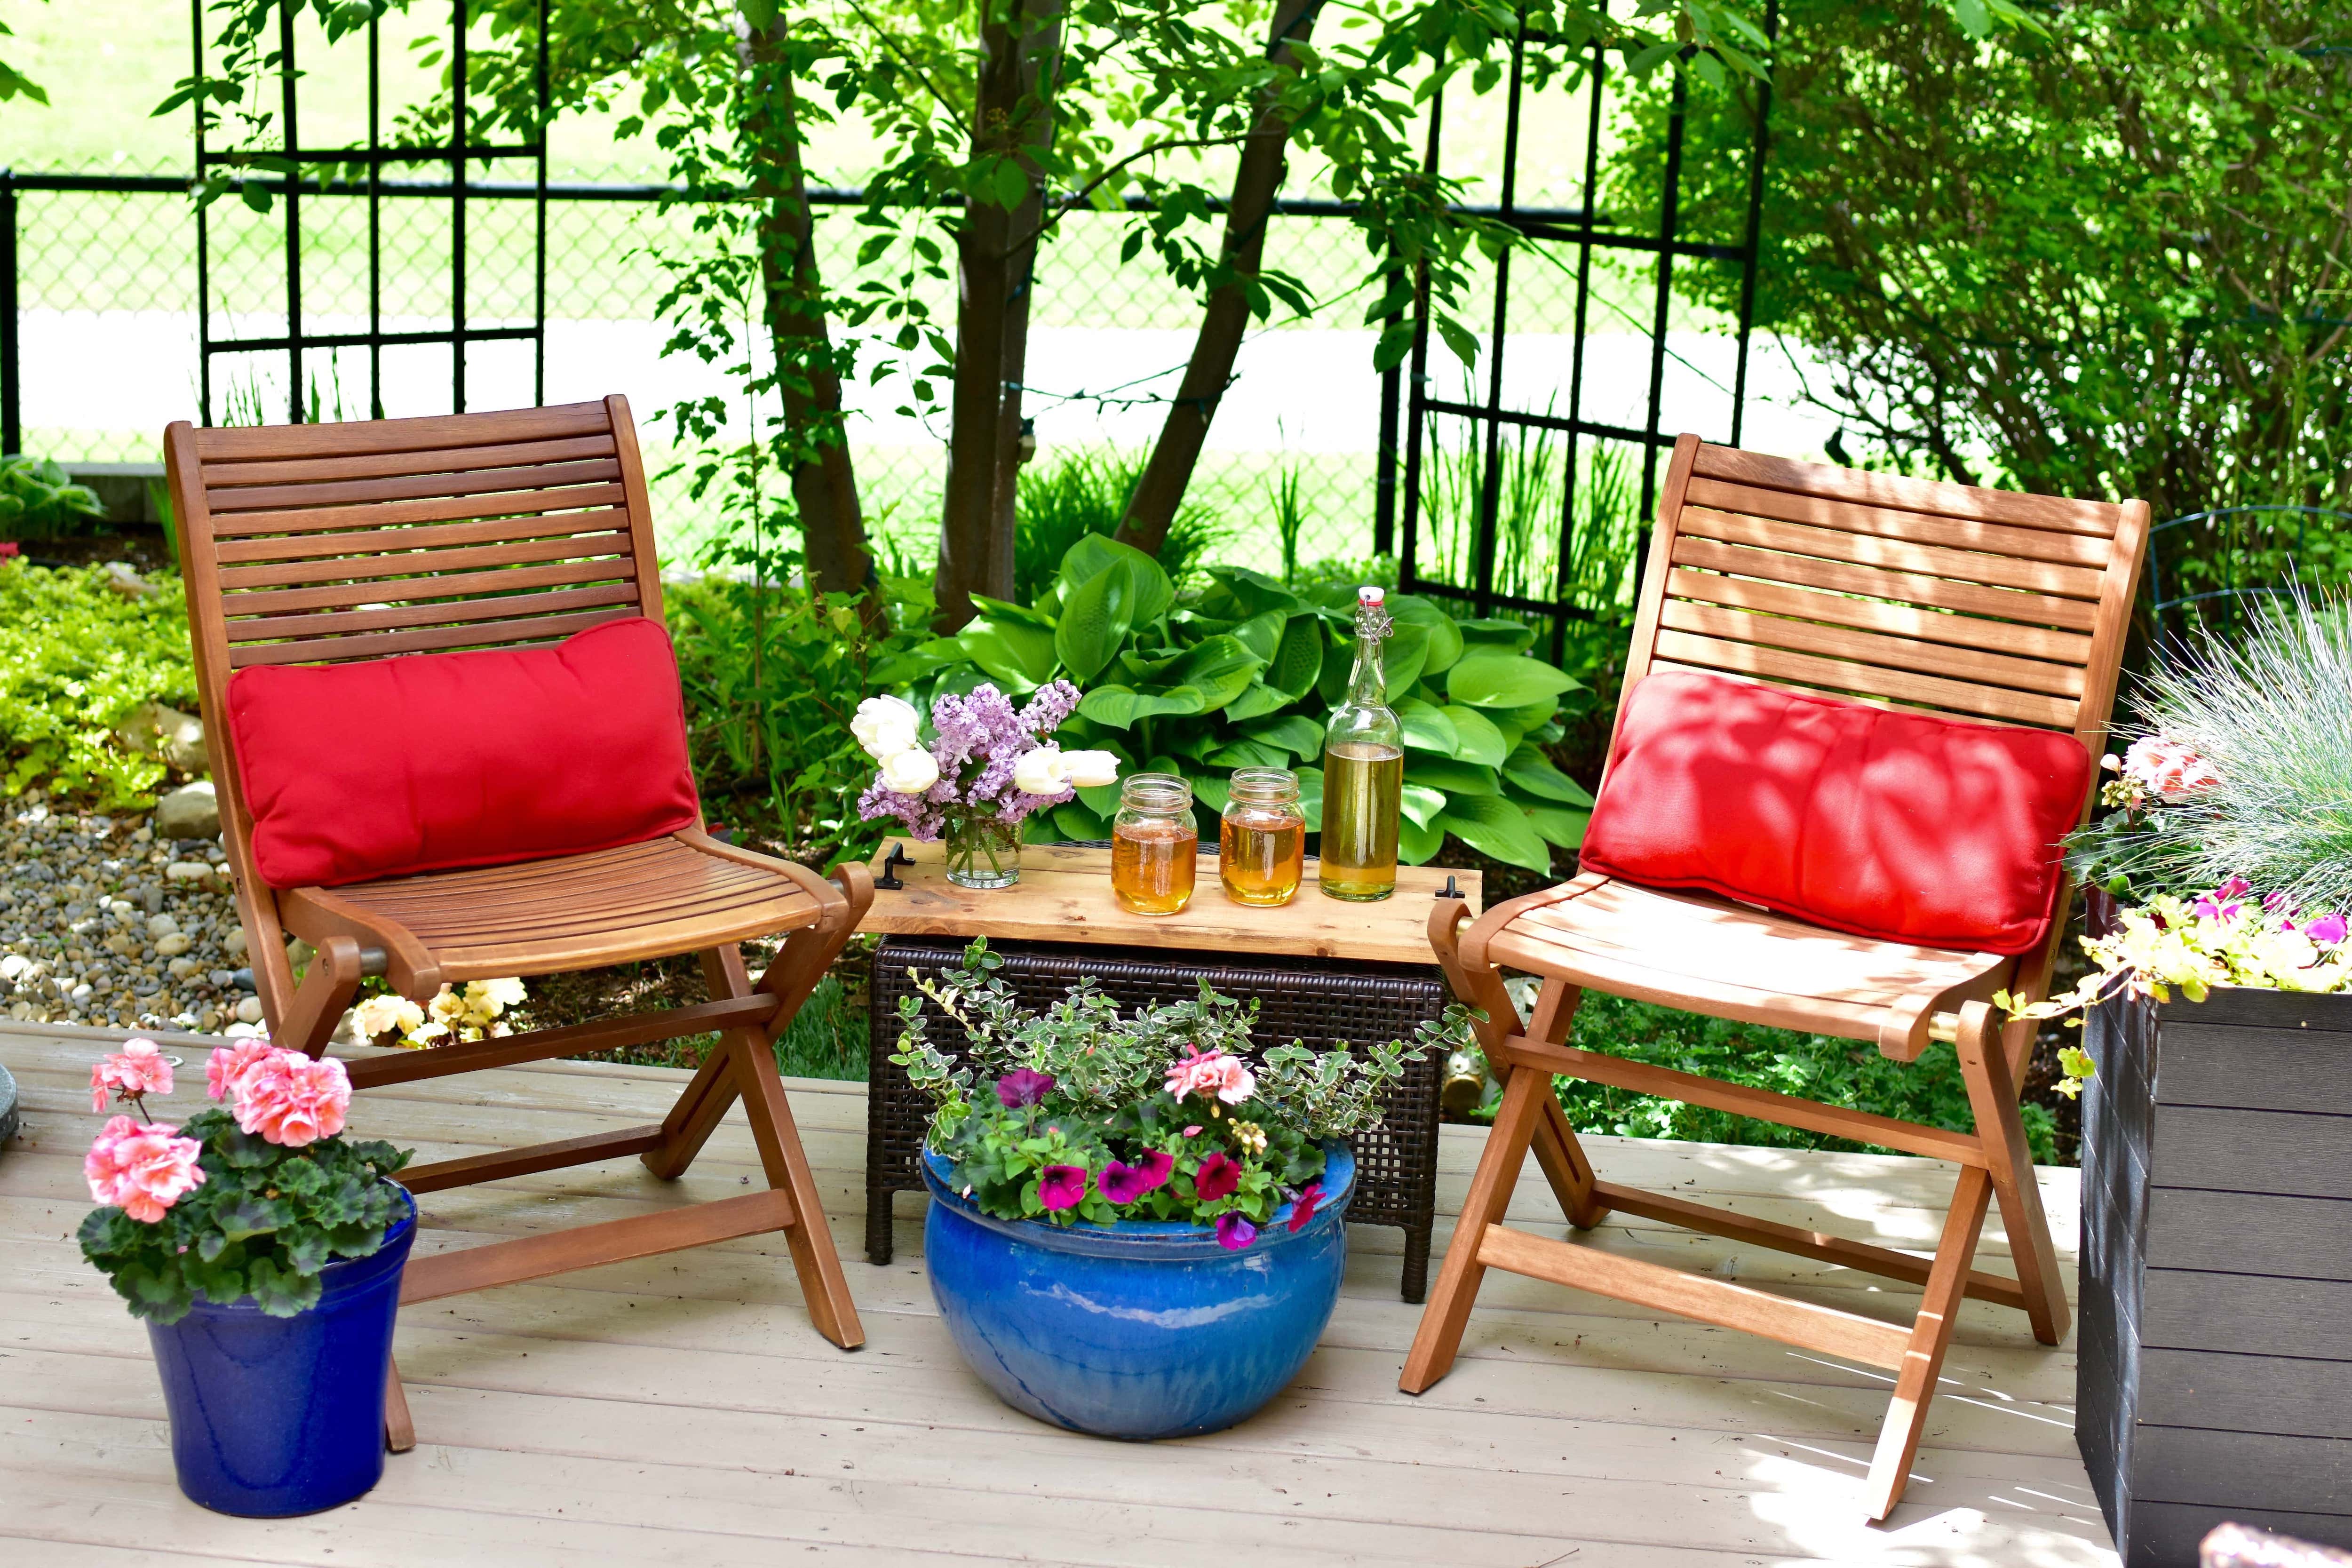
pixel 1154 845
pixel 1261 842
pixel 982 849
pixel 1363 771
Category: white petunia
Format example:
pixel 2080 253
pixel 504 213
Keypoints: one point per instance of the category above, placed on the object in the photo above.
pixel 1090 769
pixel 1041 771
pixel 885 726
pixel 911 771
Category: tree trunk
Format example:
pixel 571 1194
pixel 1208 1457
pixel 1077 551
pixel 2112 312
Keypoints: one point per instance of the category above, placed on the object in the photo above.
pixel 824 484
pixel 1152 508
pixel 992 318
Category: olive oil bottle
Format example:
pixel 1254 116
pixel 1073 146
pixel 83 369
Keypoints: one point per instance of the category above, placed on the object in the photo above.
pixel 1363 771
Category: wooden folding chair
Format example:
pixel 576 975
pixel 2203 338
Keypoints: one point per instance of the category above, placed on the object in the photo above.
pixel 321 543
pixel 1967 602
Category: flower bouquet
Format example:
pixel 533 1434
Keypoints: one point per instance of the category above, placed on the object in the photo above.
pixel 1138 1222
pixel 264 1250
pixel 985 769
pixel 2227 839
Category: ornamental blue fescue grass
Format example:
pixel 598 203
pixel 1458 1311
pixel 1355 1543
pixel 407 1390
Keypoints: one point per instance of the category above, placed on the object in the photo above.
pixel 2273 713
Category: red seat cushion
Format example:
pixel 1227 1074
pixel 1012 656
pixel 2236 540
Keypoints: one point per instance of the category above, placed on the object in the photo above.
pixel 1886 824
pixel 430 761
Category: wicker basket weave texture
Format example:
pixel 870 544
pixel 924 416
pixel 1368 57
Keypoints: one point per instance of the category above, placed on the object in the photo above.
pixel 1320 1001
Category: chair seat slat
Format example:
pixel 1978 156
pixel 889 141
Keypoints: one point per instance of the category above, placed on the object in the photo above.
pixel 401 514
pixel 2005 608
pixel 1840 676
pixel 2054 513
pixel 424 589
pixel 408 563
pixel 390 618
pixel 222 476
pixel 1740 625
pixel 414 487
pixel 431 433
pixel 1900 554
pixel 430 639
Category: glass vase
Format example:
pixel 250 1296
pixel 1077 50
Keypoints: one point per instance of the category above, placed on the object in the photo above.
pixel 982 851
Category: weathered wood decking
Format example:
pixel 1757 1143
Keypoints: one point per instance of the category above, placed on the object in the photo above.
pixel 680 1410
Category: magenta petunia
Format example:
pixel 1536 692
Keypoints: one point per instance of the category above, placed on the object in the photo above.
pixel 1233 1232
pixel 1158 1165
pixel 1062 1186
pixel 1023 1087
pixel 1123 1184
pixel 1303 1207
pixel 1219 1175
pixel 2327 931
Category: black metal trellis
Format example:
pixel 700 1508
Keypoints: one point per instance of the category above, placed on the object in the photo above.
pixel 1406 394
pixel 2241 549
pixel 457 154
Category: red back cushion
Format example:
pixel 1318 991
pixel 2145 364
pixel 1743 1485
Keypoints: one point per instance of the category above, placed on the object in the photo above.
pixel 430 761
pixel 1892 826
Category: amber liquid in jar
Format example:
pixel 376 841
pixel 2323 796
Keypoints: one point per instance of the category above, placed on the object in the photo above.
pixel 1262 854
pixel 1151 866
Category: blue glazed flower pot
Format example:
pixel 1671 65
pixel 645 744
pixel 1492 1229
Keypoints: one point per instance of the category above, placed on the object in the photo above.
pixel 1138 1331
pixel 273 1416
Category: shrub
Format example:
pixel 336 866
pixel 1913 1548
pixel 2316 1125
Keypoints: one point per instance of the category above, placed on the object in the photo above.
pixel 76 658
pixel 37 501
pixel 1086 492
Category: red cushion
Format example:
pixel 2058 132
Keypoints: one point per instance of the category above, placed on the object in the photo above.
pixel 1885 825
pixel 429 762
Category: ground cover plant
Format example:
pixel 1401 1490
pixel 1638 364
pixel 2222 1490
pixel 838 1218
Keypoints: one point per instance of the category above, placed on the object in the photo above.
pixel 78 657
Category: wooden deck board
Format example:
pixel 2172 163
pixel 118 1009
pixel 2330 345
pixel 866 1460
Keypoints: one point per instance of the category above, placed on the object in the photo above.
pixel 680 1409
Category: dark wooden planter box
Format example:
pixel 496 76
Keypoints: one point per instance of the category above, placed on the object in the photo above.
pixel 2215 1369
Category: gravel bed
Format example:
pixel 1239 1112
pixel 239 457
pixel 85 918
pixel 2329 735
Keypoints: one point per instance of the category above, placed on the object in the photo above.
pixel 101 923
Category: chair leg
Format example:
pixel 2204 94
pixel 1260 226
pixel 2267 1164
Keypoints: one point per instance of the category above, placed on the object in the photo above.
pixel 1931 1335
pixel 1994 1095
pixel 331 981
pixel 1448 1312
pixel 822 1284
pixel 399 1431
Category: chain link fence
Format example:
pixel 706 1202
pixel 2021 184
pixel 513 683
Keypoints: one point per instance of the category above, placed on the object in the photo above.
pixel 106 288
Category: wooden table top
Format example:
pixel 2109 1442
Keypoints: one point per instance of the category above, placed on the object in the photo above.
pixel 1064 895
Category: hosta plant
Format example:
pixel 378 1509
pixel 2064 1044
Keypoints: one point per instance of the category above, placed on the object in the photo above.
pixel 1243 672
pixel 1076 1113
pixel 252 1197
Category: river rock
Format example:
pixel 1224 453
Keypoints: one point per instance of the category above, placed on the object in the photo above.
pixel 7 1106
pixel 189 813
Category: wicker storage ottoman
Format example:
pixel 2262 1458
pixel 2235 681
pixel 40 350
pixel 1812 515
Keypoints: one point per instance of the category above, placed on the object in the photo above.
pixel 1320 1001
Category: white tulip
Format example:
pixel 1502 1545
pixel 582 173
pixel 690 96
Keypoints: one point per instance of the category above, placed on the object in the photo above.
pixel 1040 771
pixel 885 726
pixel 909 771
pixel 1088 769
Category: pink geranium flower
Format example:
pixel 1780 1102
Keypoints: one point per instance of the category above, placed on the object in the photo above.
pixel 143 1171
pixel 292 1100
pixel 139 1068
pixel 231 1063
pixel 2167 768
pixel 1226 1077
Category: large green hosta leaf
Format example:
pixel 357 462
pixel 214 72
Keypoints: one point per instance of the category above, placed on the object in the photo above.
pixel 1297 658
pixel 1488 678
pixel 1096 616
pixel 1296 734
pixel 1449 777
pixel 1017 655
pixel 1426 727
pixel 1561 824
pixel 1529 770
pixel 1119 706
pixel 1220 668
pixel 1493 826
pixel 1093 553
pixel 1476 739
pixel 1444 644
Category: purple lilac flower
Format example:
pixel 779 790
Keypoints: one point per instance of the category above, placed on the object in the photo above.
pixel 1303 1207
pixel 1062 1186
pixel 1022 1088
pixel 1219 1175
pixel 2327 931
pixel 1053 702
pixel 1233 1232
pixel 982 726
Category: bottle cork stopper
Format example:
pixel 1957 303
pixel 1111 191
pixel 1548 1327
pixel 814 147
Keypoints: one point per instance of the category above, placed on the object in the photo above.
pixel 1368 594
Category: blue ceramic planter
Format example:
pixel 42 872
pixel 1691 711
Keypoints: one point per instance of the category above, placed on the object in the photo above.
pixel 272 1416
pixel 1140 1331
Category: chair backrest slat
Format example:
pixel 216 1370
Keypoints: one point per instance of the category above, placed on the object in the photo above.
pixel 382 465
pixel 1975 604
